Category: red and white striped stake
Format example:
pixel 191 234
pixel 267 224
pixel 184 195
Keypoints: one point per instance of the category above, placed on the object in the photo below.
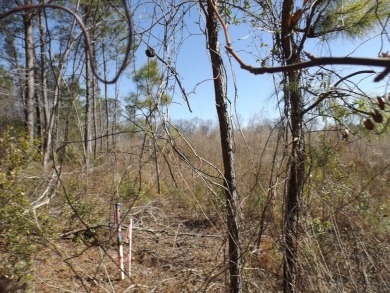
pixel 130 238
pixel 119 239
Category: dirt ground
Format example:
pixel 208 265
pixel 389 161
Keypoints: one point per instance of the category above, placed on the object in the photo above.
pixel 174 250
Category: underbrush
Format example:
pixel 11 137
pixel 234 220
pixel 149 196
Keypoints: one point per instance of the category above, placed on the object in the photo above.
pixel 179 237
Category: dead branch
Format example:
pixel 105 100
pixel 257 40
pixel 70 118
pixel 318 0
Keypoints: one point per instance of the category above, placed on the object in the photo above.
pixel 313 61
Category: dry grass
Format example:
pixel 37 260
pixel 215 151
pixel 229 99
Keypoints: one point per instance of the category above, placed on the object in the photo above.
pixel 179 235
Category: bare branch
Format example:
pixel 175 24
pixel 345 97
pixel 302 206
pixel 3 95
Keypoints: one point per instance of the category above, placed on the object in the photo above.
pixel 85 32
pixel 313 62
pixel 326 95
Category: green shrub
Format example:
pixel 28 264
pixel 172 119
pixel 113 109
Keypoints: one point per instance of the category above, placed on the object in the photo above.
pixel 20 232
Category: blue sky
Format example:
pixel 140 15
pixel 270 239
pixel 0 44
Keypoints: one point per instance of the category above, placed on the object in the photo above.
pixel 255 93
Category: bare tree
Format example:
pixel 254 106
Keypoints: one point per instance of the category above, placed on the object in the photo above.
pixel 30 74
pixel 293 109
pixel 226 132
pixel 319 21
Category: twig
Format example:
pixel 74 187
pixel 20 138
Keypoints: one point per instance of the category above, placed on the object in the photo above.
pixel 85 32
pixel 313 62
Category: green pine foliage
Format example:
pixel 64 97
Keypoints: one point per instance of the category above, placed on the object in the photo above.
pixel 351 18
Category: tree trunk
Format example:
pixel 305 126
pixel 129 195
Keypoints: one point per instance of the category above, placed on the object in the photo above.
pixel 294 108
pixel 107 104
pixel 232 206
pixel 87 121
pixel 38 111
pixel 43 90
pixel 52 114
pixel 156 165
pixel 94 118
pixel 50 132
pixel 43 76
pixel 94 85
pixel 30 81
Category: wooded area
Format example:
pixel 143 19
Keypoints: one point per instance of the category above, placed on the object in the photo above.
pixel 296 203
